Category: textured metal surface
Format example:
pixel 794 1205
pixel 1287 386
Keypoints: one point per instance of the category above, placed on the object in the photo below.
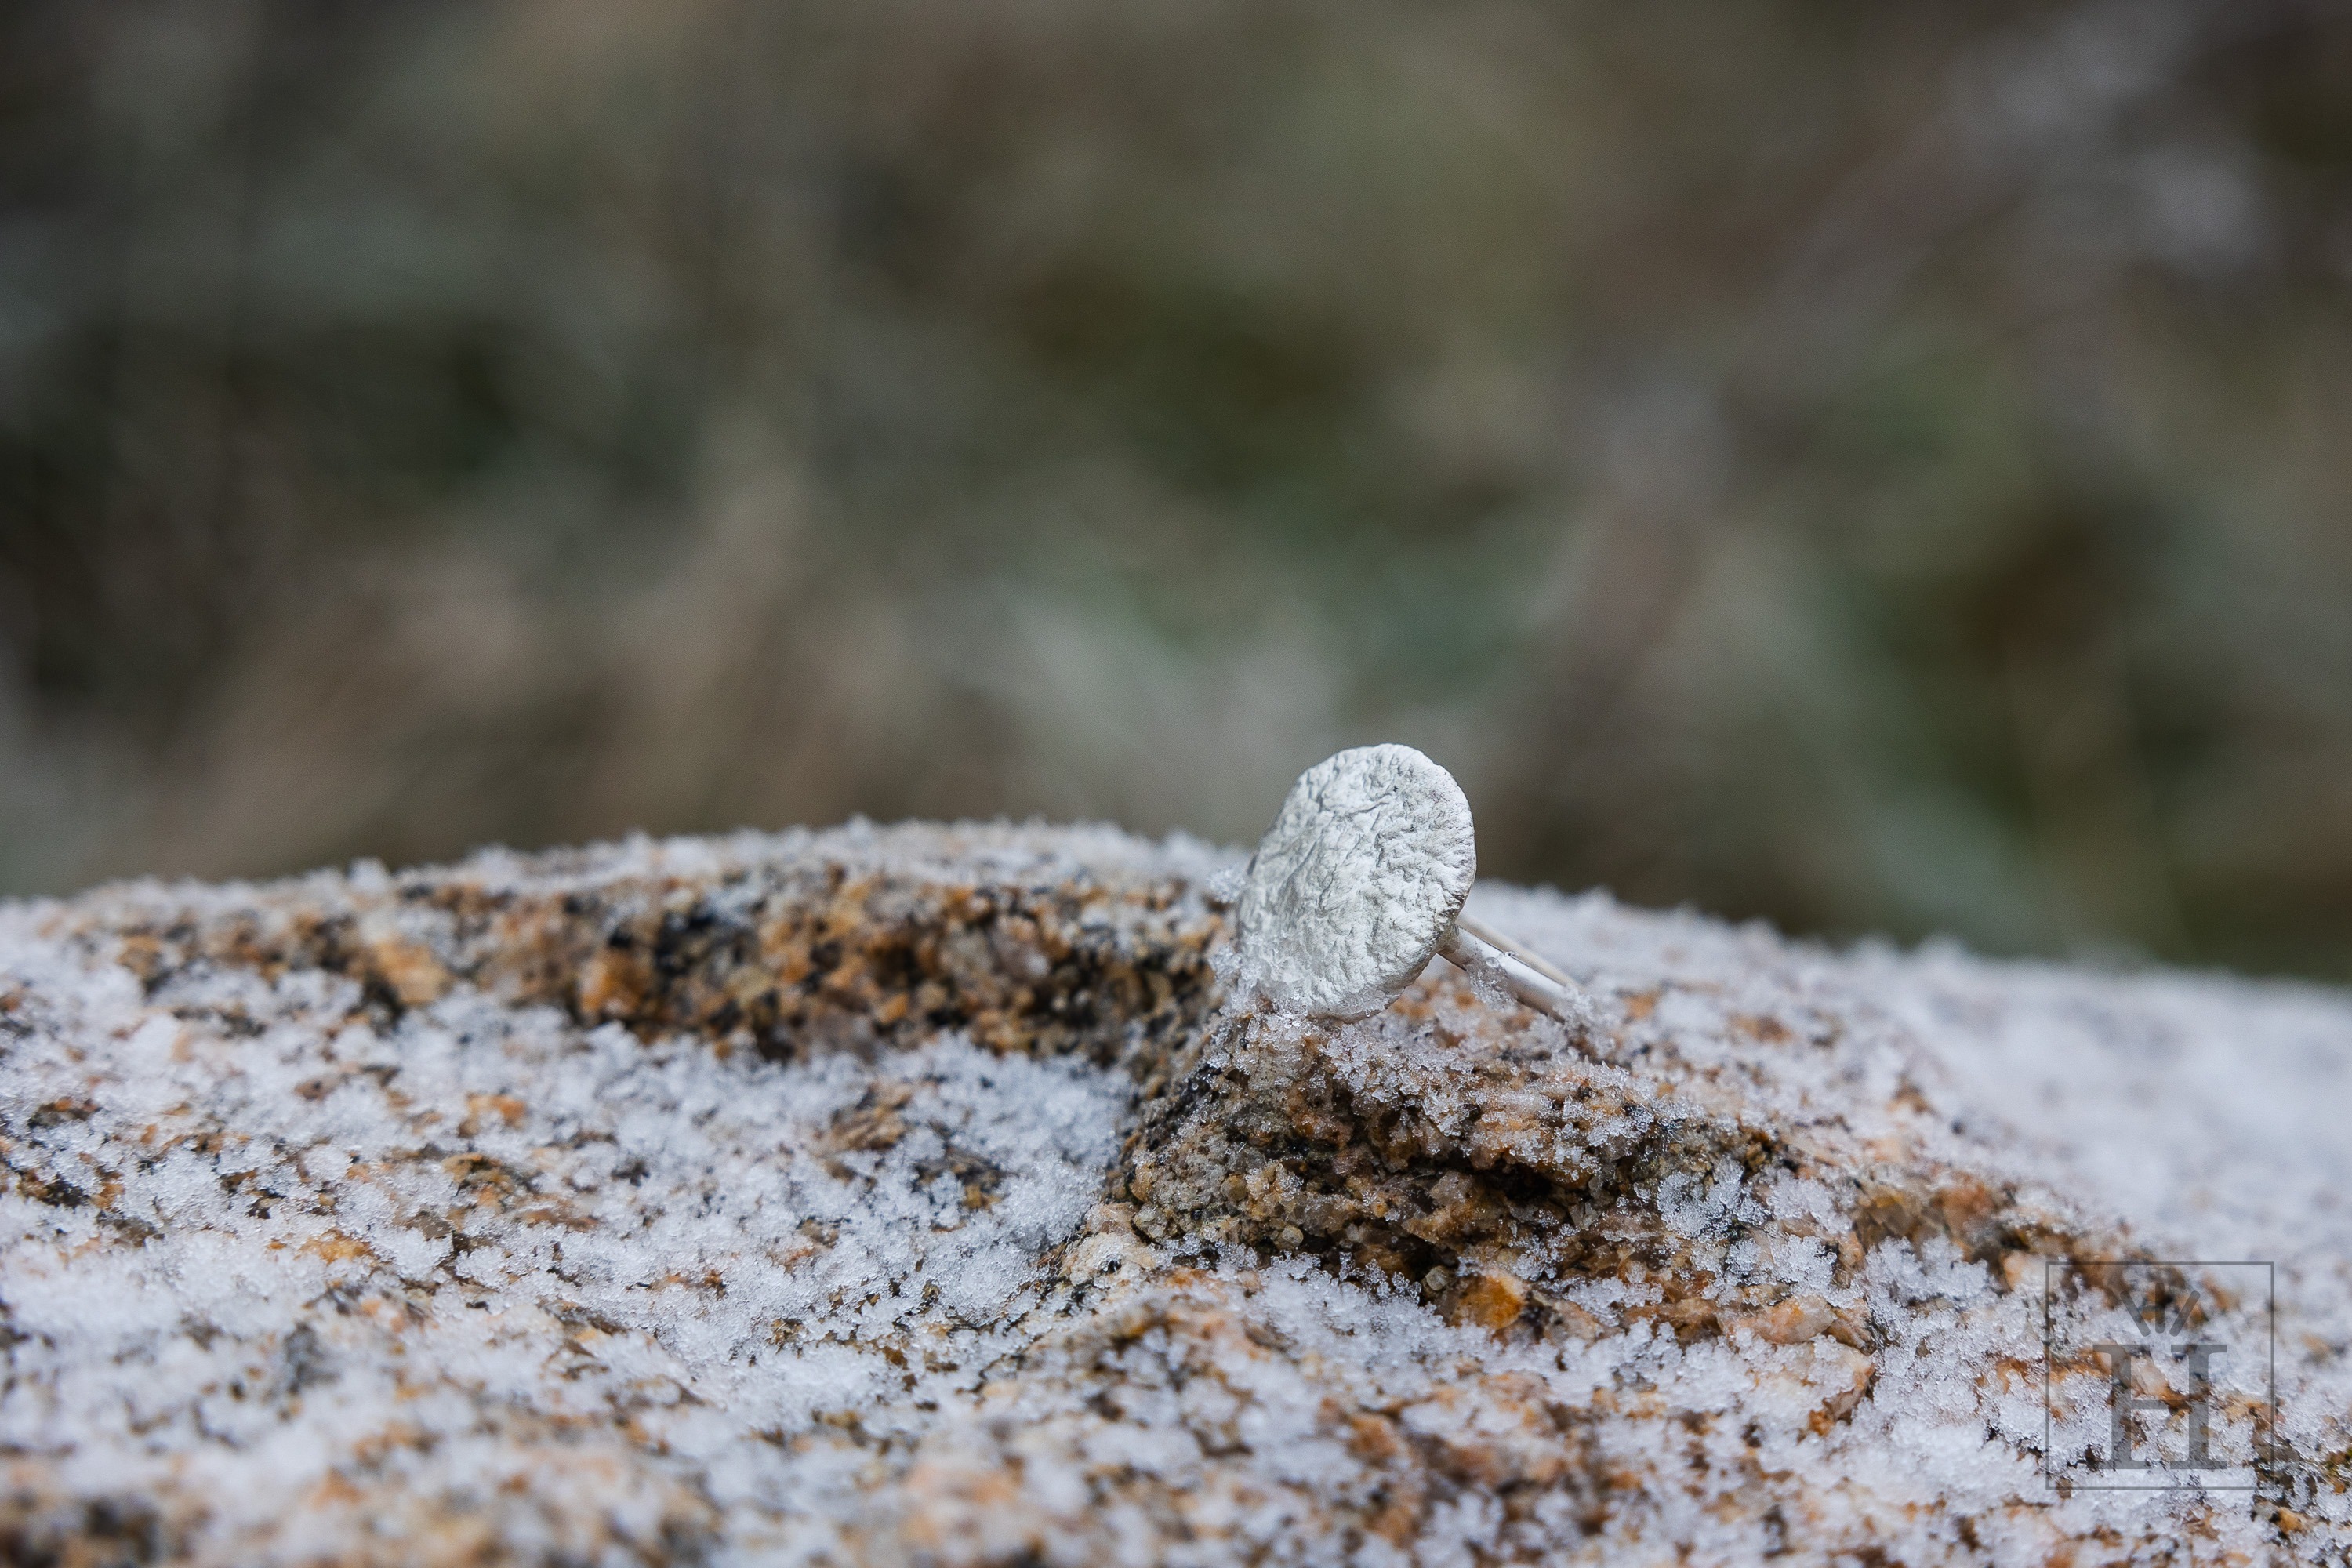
pixel 1358 882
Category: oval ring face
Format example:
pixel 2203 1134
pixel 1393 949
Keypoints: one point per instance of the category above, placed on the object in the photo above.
pixel 1357 883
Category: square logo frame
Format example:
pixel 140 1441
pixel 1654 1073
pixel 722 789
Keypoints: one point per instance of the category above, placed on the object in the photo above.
pixel 2162 1374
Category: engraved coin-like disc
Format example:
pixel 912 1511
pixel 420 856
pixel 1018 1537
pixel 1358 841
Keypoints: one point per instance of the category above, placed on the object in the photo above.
pixel 1357 882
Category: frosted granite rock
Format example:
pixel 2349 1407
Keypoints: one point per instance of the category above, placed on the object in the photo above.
pixel 909 1196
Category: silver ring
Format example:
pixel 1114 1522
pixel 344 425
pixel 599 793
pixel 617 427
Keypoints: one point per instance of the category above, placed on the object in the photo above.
pixel 1359 882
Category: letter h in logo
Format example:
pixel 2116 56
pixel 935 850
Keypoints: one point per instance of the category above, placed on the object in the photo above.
pixel 2122 1401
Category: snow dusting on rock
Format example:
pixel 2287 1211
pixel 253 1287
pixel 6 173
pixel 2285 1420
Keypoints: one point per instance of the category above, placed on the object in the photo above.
pixel 913 1195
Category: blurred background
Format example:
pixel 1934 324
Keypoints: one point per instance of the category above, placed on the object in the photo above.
pixel 1878 466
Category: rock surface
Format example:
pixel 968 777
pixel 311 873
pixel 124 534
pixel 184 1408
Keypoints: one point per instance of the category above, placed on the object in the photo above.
pixel 911 1195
